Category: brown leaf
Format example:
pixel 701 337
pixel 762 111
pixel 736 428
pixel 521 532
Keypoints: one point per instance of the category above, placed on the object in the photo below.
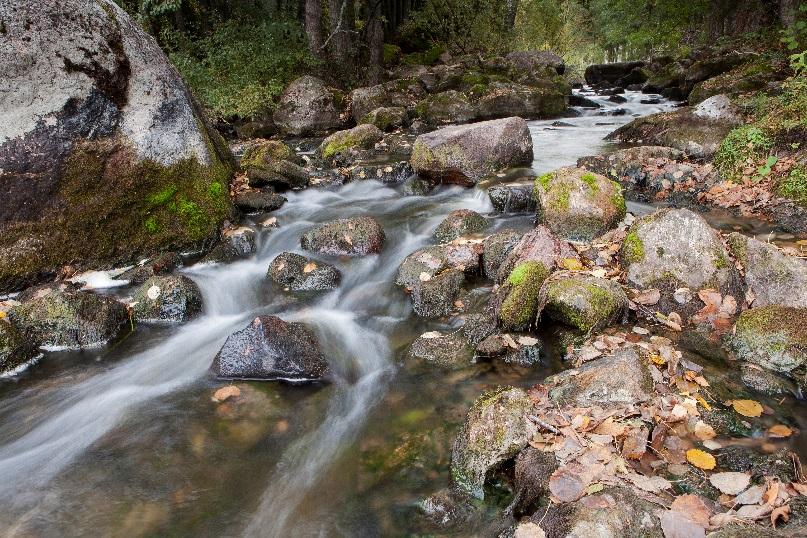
pixel 647 297
pixel 747 408
pixel 310 266
pixel 675 524
pixel 569 483
pixel 225 393
pixel 693 507
pixel 780 512
pixel 779 431
pixel 730 483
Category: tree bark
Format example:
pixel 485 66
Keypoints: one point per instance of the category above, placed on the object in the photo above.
pixel 342 31
pixel 787 12
pixel 375 41
pixel 512 11
pixel 313 25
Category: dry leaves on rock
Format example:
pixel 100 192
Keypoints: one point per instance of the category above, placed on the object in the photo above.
pixel 747 408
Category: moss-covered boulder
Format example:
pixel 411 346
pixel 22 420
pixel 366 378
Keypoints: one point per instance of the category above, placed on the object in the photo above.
pixel 353 236
pixel 620 378
pixel 773 277
pixel 458 223
pixel 746 78
pixel 495 249
pixel 445 351
pixel 167 298
pixel 546 98
pixel 465 154
pixel 428 262
pixel 72 319
pixel 521 295
pixel 404 92
pixel 613 74
pixel 386 118
pixel 104 147
pixel 577 204
pixel 281 175
pixel 697 136
pixel 495 430
pixel 259 153
pixel 15 348
pixel 341 144
pixel 299 273
pixel 435 296
pixel 773 337
pixel 308 107
pixel 676 248
pixel 584 302
pixel 446 107
pixel 538 245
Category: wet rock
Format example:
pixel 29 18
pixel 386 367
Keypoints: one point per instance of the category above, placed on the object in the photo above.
pixel 299 273
pixel 503 99
pixel 386 118
pixel 416 186
pixel 538 245
pixel 341 144
pixel 620 378
pixel 612 73
pixel 167 298
pixel 584 302
pixel 429 261
pixel 770 275
pixel 610 513
pixel 747 459
pixel 496 248
pixel 521 295
pixel 235 244
pixel 635 166
pixel 159 265
pixel 446 107
pixel 464 154
pixel 278 174
pixel 764 381
pixel 435 297
pixel 270 348
pixel 578 100
pixel 253 200
pixel 756 531
pixel 397 172
pixel 617 99
pixel 308 107
pixel 99 135
pixel 495 430
pixel 577 204
pixel 478 327
pixel 354 236
pixel 73 319
pixel 444 351
pixel 676 248
pixel 260 153
pixel 512 198
pixel 719 108
pixel 511 349
pixel 532 472
pixel 447 508
pixel 773 337
pixel 458 223
pixel 15 348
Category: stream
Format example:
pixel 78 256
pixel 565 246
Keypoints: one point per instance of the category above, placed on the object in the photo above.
pixel 125 440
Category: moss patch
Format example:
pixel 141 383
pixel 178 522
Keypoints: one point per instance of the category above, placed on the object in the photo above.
pixel 632 249
pixel 591 180
pixel 521 304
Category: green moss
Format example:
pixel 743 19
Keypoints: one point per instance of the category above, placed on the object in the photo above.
pixel 632 248
pixel 473 78
pixel 392 53
pixel 580 304
pixel 794 186
pixel 215 190
pixel 521 304
pixel 544 180
pixel 562 197
pixel 264 152
pixel 720 260
pixel 163 196
pixel 151 225
pixel 338 146
pixel 591 180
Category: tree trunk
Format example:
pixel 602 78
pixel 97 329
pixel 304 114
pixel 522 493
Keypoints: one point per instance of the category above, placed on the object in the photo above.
pixel 375 41
pixel 512 11
pixel 787 12
pixel 313 25
pixel 342 31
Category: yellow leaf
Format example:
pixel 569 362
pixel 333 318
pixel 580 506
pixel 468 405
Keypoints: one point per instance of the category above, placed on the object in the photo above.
pixel 703 402
pixel 2 314
pixel 572 264
pixel 700 459
pixel 747 408
pixel 309 267
pixel 656 359
pixel 780 430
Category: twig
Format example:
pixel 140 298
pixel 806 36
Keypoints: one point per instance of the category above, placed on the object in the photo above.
pixel 544 425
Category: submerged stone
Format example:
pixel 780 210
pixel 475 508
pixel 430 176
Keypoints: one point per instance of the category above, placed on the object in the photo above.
pixel 435 297
pixel 445 351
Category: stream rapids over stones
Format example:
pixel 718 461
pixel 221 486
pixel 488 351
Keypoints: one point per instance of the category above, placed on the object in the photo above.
pixel 124 440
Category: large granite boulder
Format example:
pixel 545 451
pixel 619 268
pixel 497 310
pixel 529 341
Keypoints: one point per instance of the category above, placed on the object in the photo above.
pixel 536 60
pixel 308 107
pixel 354 236
pixel 270 348
pixel 505 99
pixel 449 106
pixel 405 93
pixel 341 144
pixel 100 144
pixel 167 298
pixel 464 154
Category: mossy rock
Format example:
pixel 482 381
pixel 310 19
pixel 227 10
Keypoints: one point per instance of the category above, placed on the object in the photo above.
pixel 446 107
pixel 577 204
pixel 544 98
pixel 458 223
pixel 435 297
pixel 16 349
pixel 167 298
pixel 352 236
pixel 773 337
pixel 386 118
pixel 261 153
pixel 343 142
pixel 584 302
pixel 520 306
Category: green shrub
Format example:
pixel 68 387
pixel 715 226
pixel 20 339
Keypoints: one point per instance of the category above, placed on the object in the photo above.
pixel 794 186
pixel 742 147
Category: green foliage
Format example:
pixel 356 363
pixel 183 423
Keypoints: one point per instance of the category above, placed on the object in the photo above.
pixel 459 26
pixel 794 186
pixel 743 146
pixel 632 248
pixel 243 66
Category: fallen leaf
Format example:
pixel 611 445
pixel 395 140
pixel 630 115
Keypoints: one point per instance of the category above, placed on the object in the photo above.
pixel 752 495
pixel 529 530
pixel 640 330
pixel 693 507
pixel 711 444
pixel 569 483
pixel 651 484
pixel 424 277
pixel 348 239
pixel 225 393
pixel 571 264
pixel 704 431
pixel 700 459
pixel 647 297
pixel 730 483
pixel 431 334
pixel 675 524
pixel 310 266
pixel 527 340
pixel 747 408
pixel 780 512
pixel 779 431
pixel 594 488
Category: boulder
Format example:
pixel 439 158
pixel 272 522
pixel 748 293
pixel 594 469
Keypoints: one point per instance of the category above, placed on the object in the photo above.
pixel 495 430
pixel 478 327
pixel 536 60
pixel 620 378
pixel 642 167
pixel 71 319
pixel 458 223
pixel 308 107
pixel 403 93
pixel 16 349
pixel 521 295
pixel 159 265
pixel 584 302
pixel 272 349
pixel 281 175
pixel 718 108
pixel 354 236
pixel 446 107
pixel 773 337
pixel 531 478
pixel 337 146
pixel 167 298
pixel 257 200
pixel 464 154
pixel 746 78
pixel 101 144
pixel 259 153
pixel 235 244
pixel 506 99
pixel 385 118
pixel 538 245
pixel 673 249
pixel 495 250
pixel 577 204
pixel 579 100
pixel 612 73
pixel 773 277
pixel 444 351
pixel 429 261
pixel 299 273
pixel 434 297
pixel 515 198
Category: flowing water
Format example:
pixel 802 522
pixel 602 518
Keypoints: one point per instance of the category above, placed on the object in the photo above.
pixel 125 440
